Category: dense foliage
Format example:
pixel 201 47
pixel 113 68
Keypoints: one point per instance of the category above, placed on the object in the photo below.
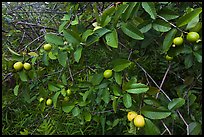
pixel 63 49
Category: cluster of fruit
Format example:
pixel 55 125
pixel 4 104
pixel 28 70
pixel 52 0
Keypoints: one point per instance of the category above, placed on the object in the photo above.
pixel 191 37
pixel 49 101
pixel 19 65
pixel 138 119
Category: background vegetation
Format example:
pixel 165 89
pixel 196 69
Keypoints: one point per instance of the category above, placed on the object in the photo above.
pixel 87 38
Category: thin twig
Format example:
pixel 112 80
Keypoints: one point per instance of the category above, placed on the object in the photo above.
pixel 70 72
pixel 171 24
pixel 166 127
pixel 163 79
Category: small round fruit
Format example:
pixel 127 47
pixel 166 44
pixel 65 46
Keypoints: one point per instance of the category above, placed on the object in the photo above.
pixel 168 58
pixel 47 47
pixel 27 66
pixel 131 115
pixel 66 99
pixel 139 121
pixel 49 102
pixel 178 41
pixel 41 99
pixel 18 66
pixel 192 36
pixel 69 92
pixel 108 73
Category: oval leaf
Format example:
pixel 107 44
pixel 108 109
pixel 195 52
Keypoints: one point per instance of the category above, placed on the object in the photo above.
pixel 96 79
pixel 132 31
pixel 112 39
pixel 188 17
pixel 54 99
pixel 51 87
pixel 106 95
pixel 127 100
pixel 23 75
pixel 195 128
pixel 62 58
pixel 153 113
pixel 71 37
pixel 77 54
pixel 118 78
pixel 76 111
pixel 15 90
pixel 150 128
pixel 176 103
pixel 87 116
pixel 67 108
pixel 128 11
pixel 169 39
pixel 161 26
pixel 150 9
pixel 137 88
pixel 120 64
pixel 53 38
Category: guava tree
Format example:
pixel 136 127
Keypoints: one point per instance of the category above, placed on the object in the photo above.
pixel 99 61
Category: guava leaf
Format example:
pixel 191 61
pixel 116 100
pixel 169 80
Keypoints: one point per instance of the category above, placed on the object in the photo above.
pixel 76 111
pixel 120 64
pixel 150 9
pixel 150 128
pixel 195 128
pixel 51 87
pixel 67 108
pixel 137 88
pixel 176 103
pixel 54 39
pixel 127 100
pixel 97 78
pixel 62 58
pixel 112 39
pixel 54 99
pixel 77 54
pixel 15 90
pixel 169 39
pixel 128 11
pixel 161 25
pixel 23 75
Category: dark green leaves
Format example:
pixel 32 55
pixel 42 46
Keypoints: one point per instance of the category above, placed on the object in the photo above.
pixel 194 128
pixel 62 57
pixel 150 9
pixel 161 26
pixel 53 38
pixel 188 17
pixel 97 78
pixel 155 113
pixel 133 32
pixel 127 100
pixel 112 39
pixel 120 64
pixel 169 39
pixel 150 128
pixel 71 37
pixel 77 54
pixel 176 103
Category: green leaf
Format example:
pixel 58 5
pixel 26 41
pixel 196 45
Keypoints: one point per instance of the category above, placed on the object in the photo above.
pixel 168 14
pixel 150 128
pixel 133 32
pixel 195 128
pixel 67 108
pixel 52 56
pixel 106 95
pixel 192 23
pixel 97 78
pixel 145 26
pixel 106 14
pixel 119 10
pixel 112 39
pixel 86 94
pixel 127 100
pixel 64 79
pixel 92 39
pixel 188 62
pixel 87 115
pixel 115 122
pixel 86 34
pixel 71 37
pixel 128 11
pixel 154 113
pixel 137 88
pixel 51 87
pixel 62 58
pixel 102 31
pixel 76 111
pixel 61 27
pixel 54 99
pixel 120 64
pixel 176 103
pixel 45 59
pixel 198 57
pixel 169 39
pixel 54 39
pixel 75 21
pixel 161 25
pixel 150 9
pixel 13 52
pixel 63 92
pixel 77 54
pixel 66 17
pixel 116 90
pixel 118 78
pixel 23 75
pixel 115 104
pixel 15 90
pixel 188 17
